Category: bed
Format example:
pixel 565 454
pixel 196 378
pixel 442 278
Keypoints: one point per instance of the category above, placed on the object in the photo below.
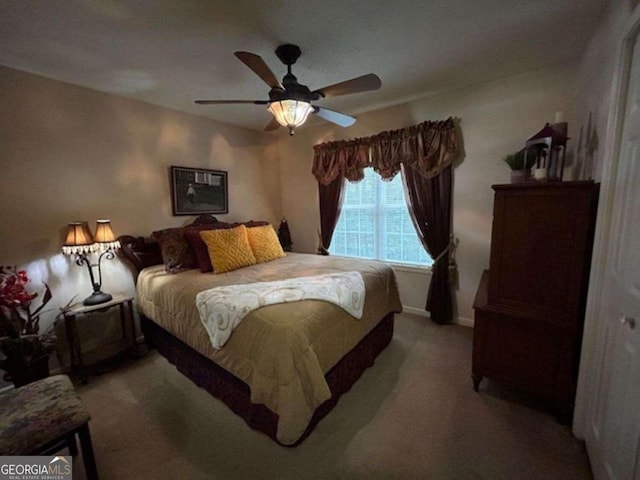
pixel 285 365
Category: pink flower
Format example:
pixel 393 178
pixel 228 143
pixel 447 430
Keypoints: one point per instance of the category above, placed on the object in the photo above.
pixel 13 293
pixel 15 303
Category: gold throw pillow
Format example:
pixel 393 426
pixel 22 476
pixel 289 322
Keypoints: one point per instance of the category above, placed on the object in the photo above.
pixel 264 243
pixel 228 248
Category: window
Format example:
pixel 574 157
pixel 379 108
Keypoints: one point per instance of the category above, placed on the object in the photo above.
pixel 208 178
pixel 375 223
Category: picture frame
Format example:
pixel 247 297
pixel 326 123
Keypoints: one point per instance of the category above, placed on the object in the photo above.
pixel 195 191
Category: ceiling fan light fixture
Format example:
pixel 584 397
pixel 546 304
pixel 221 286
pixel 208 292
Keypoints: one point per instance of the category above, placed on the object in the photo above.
pixel 290 113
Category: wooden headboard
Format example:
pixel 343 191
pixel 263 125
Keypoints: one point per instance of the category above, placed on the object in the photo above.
pixel 141 252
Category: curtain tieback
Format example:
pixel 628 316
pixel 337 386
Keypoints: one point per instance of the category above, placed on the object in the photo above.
pixel 322 250
pixel 442 254
pixel 453 244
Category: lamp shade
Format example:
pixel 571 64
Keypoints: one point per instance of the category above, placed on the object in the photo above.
pixel 290 113
pixel 104 236
pixel 78 239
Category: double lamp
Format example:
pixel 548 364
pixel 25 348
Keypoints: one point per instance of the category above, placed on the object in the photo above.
pixel 80 242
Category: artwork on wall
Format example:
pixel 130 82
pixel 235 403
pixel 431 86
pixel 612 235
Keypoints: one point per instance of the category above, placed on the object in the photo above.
pixel 195 191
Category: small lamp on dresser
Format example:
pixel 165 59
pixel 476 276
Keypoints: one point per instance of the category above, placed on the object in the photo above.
pixel 80 242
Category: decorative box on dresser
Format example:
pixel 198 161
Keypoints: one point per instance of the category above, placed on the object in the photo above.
pixel 530 305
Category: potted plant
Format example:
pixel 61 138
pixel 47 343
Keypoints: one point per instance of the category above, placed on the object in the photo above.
pixel 519 171
pixel 26 351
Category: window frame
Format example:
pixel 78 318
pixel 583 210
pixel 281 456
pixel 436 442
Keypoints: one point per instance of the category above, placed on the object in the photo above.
pixel 379 209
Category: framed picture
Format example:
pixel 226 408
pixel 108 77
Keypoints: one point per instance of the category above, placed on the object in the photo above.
pixel 198 190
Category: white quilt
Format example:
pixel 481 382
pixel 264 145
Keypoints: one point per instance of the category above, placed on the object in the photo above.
pixel 221 309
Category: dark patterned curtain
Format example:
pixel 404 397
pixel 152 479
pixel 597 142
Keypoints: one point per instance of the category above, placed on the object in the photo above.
pixel 346 159
pixel 331 197
pixel 428 148
pixel 424 153
pixel 429 202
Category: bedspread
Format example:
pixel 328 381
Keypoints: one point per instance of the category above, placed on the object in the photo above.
pixel 283 351
pixel 223 308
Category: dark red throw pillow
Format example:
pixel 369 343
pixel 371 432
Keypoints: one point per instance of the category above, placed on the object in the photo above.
pixel 199 248
pixel 197 245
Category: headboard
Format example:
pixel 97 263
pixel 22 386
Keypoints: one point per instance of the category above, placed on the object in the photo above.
pixel 141 252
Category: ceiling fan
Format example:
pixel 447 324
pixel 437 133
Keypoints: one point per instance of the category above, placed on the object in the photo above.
pixel 290 101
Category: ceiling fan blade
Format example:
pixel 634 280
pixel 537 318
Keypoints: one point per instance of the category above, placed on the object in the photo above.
pixel 355 85
pixel 224 102
pixel 272 125
pixel 334 117
pixel 255 63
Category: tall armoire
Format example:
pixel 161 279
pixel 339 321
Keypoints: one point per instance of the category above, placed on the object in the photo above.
pixel 530 305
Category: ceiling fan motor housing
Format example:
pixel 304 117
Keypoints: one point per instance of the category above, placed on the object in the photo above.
pixel 288 54
pixel 292 91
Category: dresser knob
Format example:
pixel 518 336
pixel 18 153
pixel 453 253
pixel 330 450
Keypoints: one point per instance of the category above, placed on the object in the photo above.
pixel 631 322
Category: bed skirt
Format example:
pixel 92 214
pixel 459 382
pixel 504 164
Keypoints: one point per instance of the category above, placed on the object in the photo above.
pixel 235 394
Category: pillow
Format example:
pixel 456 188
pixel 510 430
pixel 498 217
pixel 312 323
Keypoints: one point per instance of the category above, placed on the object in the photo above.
pixel 265 243
pixel 175 251
pixel 178 254
pixel 228 248
pixel 199 248
pixel 197 245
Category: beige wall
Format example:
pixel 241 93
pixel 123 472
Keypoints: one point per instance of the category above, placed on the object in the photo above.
pixel 495 118
pixel 69 153
pixel 595 82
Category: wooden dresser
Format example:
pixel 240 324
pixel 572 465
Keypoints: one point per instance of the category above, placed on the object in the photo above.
pixel 529 308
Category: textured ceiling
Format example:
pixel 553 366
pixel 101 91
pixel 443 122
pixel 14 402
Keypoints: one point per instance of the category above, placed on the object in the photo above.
pixel 170 53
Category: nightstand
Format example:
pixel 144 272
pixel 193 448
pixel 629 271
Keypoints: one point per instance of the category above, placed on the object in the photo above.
pixel 127 324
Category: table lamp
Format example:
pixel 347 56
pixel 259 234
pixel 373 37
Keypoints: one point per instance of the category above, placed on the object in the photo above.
pixel 80 242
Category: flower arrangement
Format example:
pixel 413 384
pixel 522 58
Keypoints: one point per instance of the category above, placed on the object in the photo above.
pixel 20 338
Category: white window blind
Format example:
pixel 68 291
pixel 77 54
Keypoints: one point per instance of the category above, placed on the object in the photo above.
pixel 375 223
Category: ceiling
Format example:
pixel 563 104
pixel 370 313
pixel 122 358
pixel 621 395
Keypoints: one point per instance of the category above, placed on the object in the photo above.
pixel 171 52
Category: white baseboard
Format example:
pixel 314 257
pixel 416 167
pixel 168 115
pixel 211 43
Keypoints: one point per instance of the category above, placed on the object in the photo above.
pixel 462 321
pixel 415 311
pixel 465 322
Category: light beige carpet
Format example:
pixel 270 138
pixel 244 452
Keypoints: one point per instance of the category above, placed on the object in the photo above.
pixel 413 415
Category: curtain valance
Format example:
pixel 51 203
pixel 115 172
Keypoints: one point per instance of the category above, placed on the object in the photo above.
pixel 428 148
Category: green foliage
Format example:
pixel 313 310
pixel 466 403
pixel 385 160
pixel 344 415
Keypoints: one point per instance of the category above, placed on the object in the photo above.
pixel 20 352
pixel 516 160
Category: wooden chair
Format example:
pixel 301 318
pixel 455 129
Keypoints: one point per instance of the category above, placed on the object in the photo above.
pixel 42 418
